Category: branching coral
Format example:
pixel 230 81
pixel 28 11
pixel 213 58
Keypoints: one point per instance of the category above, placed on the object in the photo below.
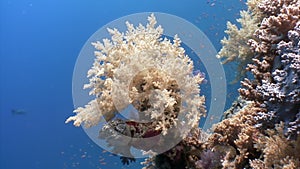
pixel 282 95
pixel 281 16
pixel 236 106
pixel 276 82
pixel 151 74
pixel 234 137
pixel 276 70
pixel 264 24
pixel 248 138
pixel 160 63
pixel 240 144
pixel 235 47
pixel 250 134
pixel 278 152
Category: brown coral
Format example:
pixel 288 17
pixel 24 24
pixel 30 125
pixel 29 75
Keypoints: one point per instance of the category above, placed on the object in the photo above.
pixel 246 143
pixel 238 135
pixel 186 154
pixel 278 151
pixel 281 16
pixel 260 71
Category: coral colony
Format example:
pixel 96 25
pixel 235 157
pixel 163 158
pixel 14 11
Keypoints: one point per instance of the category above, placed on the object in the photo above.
pixel 262 128
pixel 151 73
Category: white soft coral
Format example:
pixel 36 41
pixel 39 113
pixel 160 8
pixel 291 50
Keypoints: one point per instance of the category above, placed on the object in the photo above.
pixel 133 65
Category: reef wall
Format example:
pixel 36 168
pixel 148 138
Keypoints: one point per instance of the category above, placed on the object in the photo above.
pixel 261 130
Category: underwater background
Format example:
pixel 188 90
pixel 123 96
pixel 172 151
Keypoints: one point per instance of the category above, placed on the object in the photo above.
pixel 39 45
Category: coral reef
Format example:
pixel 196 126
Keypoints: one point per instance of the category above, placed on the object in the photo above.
pixel 262 128
pixel 274 92
pixel 282 95
pixel 236 106
pixel 276 65
pixel 238 37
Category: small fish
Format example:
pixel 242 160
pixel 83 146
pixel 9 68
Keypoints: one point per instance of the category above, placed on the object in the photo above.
pixel 18 112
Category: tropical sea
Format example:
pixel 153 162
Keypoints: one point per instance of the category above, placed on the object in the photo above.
pixel 39 45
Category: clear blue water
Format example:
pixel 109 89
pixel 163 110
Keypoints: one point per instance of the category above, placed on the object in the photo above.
pixel 39 44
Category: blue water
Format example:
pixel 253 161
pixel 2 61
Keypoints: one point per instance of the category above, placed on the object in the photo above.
pixel 39 44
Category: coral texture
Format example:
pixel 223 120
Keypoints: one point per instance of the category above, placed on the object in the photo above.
pixel 276 66
pixel 278 152
pixel 280 17
pixel 261 130
pixel 235 47
pixel 249 137
pixel 275 87
pixel 234 137
pixel 282 95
